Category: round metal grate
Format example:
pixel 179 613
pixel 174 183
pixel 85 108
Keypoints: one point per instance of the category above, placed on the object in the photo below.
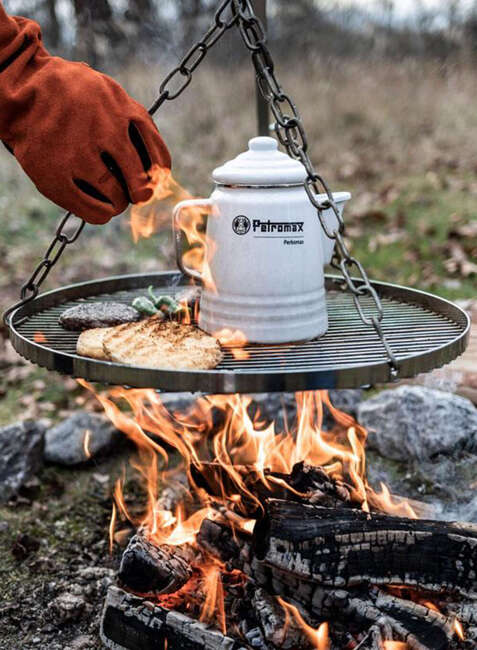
pixel 425 332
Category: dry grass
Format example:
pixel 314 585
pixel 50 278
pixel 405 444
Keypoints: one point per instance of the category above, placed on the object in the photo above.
pixel 365 120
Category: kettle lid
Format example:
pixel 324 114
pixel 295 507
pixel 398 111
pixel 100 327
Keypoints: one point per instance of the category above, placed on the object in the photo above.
pixel 262 164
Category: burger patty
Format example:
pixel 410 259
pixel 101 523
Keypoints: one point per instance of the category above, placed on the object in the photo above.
pixel 97 314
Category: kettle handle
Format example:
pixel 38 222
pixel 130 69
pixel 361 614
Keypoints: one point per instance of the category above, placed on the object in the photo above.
pixel 179 233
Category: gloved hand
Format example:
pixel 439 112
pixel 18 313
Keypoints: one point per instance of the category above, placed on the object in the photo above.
pixel 78 135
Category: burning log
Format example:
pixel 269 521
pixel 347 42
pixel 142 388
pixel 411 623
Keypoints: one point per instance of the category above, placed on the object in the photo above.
pixel 149 569
pixel 466 612
pixel 345 548
pixel 305 483
pixel 422 628
pixel 131 622
pixel 275 625
pixel 176 491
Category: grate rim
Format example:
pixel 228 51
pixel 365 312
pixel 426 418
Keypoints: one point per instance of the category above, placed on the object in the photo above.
pixel 425 332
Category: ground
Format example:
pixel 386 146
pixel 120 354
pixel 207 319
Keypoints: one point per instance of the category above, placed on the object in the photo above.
pixel 401 137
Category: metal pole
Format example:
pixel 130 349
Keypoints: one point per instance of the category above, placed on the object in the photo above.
pixel 263 112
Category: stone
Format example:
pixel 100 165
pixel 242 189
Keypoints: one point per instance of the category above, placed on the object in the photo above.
pixel 82 642
pixel 346 400
pixel 21 450
pixel 66 608
pixel 273 406
pixel 418 423
pixel 69 443
pixel 469 511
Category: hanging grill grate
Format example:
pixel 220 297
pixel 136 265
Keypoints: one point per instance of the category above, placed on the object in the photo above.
pixel 425 332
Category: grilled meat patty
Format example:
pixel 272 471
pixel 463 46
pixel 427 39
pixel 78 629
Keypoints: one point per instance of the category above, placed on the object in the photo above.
pixel 162 344
pixel 90 343
pixel 97 314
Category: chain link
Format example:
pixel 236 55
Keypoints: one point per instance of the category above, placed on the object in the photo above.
pixel 180 77
pixel 62 239
pixel 291 134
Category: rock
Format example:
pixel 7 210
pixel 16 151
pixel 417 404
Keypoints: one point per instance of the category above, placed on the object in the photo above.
pixel 66 608
pixel 273 406
pixel 69 443
pixel 413 422
pixel 468 512
pixel 83 642
pixel 21 450
pixel 347 400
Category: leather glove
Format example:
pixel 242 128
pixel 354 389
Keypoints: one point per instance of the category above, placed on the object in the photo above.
pixel 78 135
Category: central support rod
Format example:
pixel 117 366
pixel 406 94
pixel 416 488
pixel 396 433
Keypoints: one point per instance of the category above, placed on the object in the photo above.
pixel 263 113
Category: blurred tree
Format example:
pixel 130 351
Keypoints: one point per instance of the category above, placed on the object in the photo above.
pixel 54 28
pixel 96 30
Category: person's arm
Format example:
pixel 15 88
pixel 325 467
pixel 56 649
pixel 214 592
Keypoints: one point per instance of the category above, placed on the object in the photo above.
pixel 84 142
pixel 20 40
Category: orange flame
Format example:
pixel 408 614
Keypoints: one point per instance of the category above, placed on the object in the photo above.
pixel 232 449
pixel 39 337
pixel 234 339
pixel 319 638
pixel 430 605
pixel 150 217
pixel 395 645
pixel 86 441
pixel 214 592
pixel 241 441
pixel 112 527
pixel 459 630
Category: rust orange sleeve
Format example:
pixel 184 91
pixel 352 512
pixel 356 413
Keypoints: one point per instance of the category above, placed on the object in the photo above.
pixel 20 40
pixel 84 142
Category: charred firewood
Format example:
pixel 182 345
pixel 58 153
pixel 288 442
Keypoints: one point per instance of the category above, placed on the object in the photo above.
pixel 306 484
pixel 174 492
pixel 279 630
pixel 318 487
pixel 129 621
pixel 422 628
pixel 345 548
pixel 149 569
pixel 465 612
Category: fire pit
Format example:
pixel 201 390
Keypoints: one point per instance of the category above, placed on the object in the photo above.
pixel 251 549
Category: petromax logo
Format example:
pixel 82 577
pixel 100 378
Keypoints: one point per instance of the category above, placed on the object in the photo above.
pixel 242 224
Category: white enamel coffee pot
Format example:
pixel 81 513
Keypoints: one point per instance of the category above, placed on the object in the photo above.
pixel 269 249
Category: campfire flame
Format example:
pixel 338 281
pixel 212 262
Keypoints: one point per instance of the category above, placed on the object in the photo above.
pixel 319 638
pixel 234 339
pixel 213 608
pixel 154 215
pixel 395 645
pixel 112 527
pixel 459 630
pixel 86 442
pixel 221 438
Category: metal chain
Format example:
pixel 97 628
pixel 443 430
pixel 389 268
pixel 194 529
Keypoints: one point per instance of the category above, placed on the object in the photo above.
pixel 180 77
pixel 61 240
pixel 291 134
pixel 224 19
